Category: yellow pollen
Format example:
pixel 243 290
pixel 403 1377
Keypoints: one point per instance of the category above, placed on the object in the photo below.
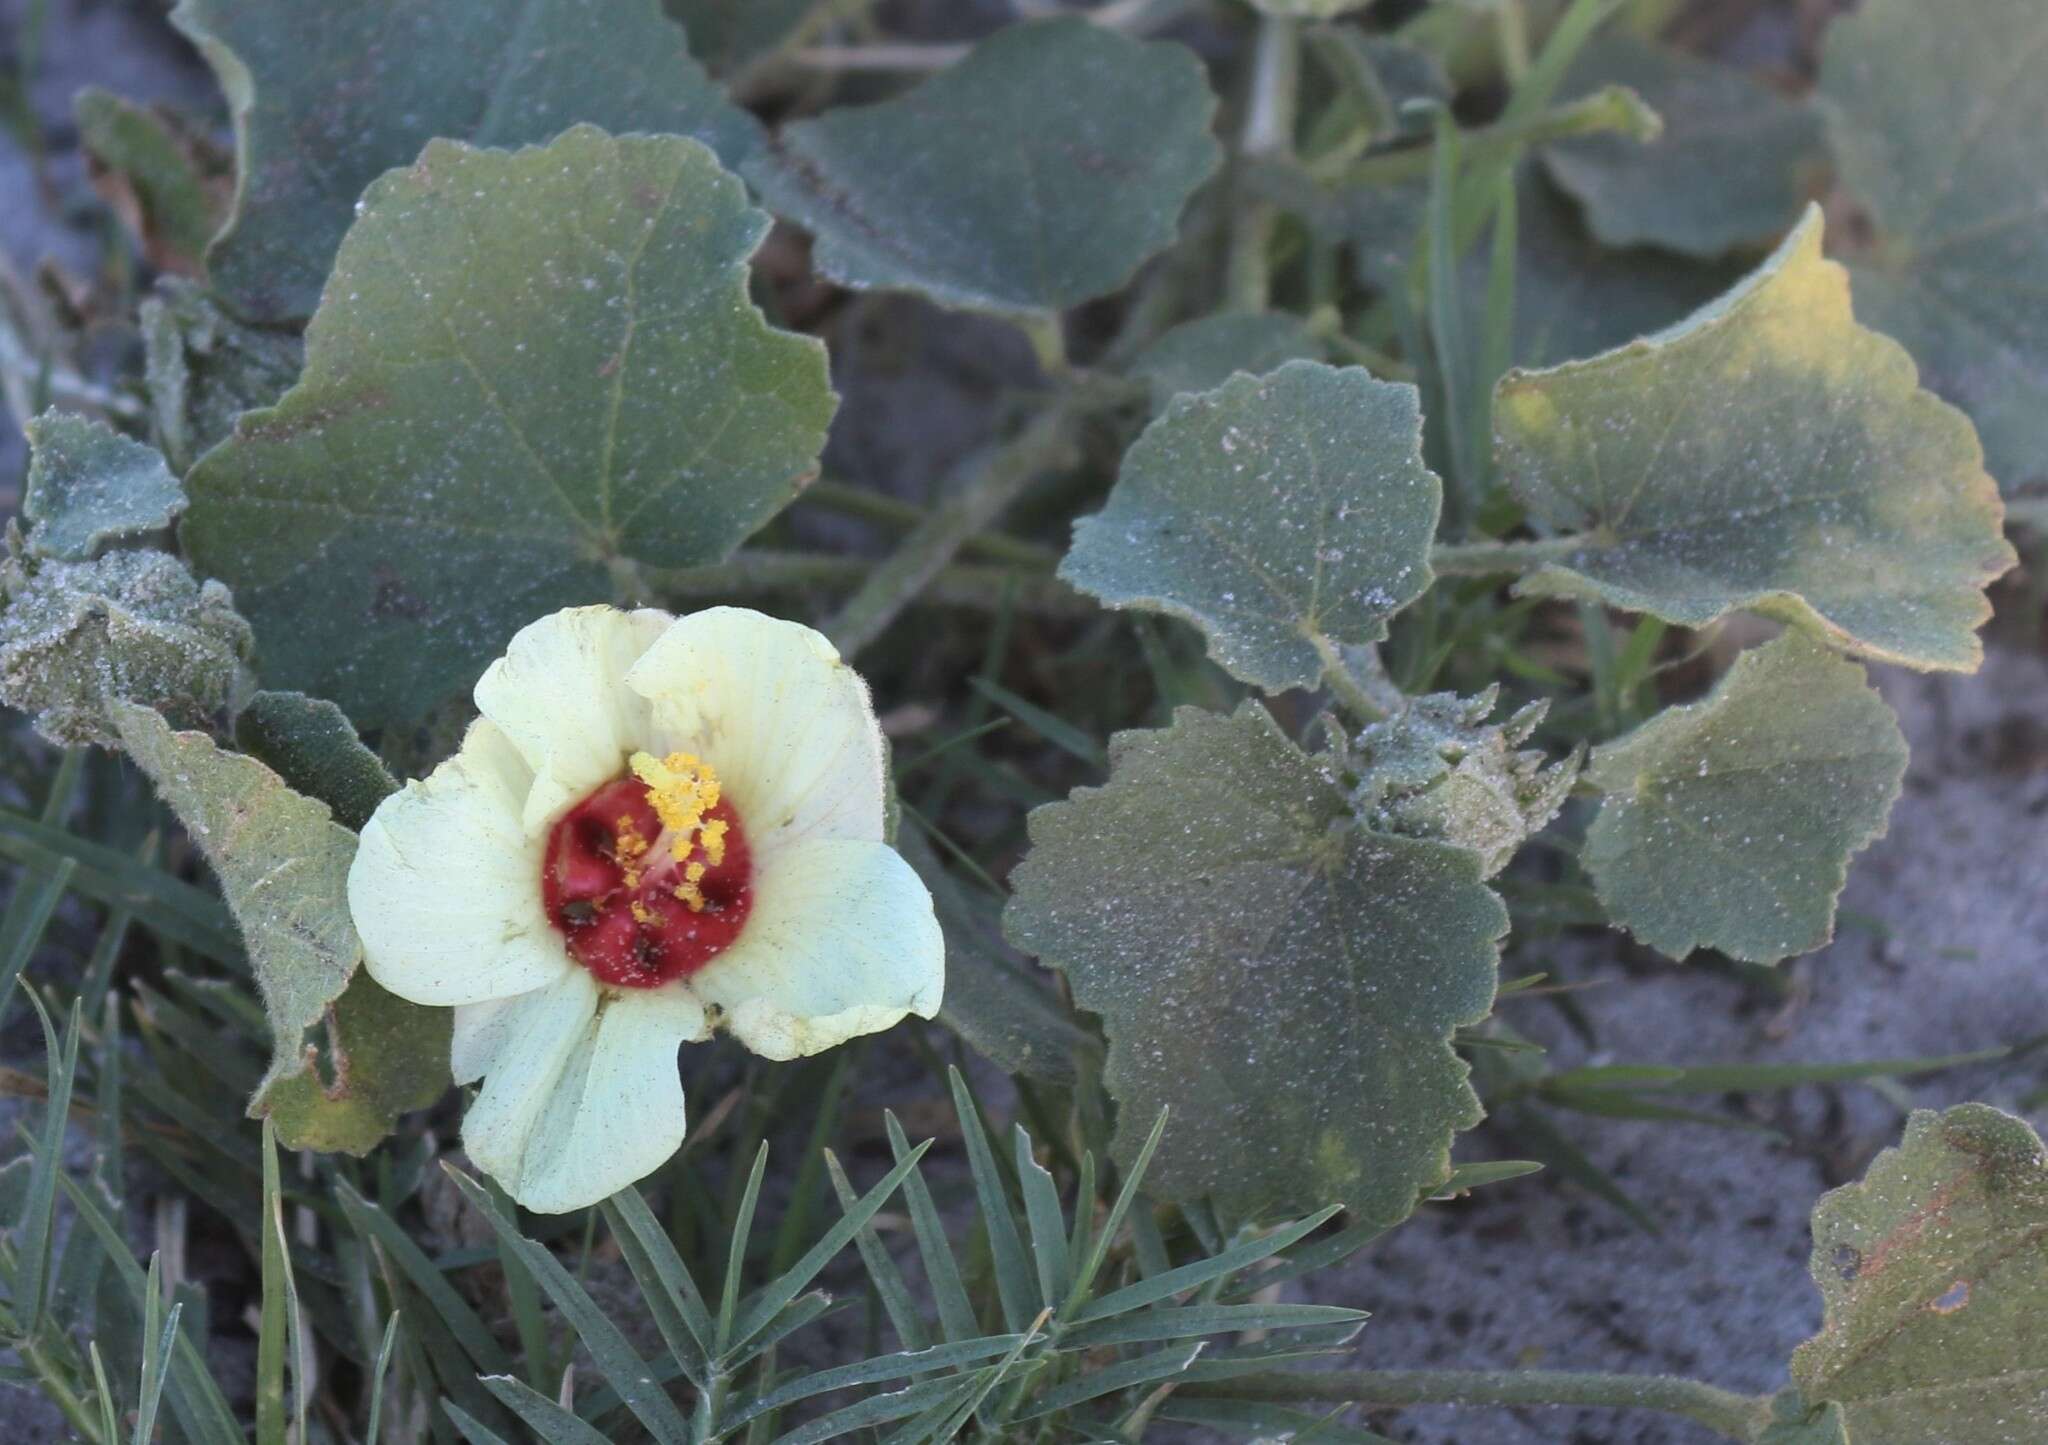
pixel 688 892
pixel 712 836
pixel 680 787
pixel 642 914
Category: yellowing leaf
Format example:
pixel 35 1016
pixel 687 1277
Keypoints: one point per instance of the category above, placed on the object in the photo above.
pixel 1283 979
pixel 1769 454
pixel 384 1057
pixel 532 368
pixel 1934 1270
pixel 1280 514
pixel 977 190
pixel 328 97
pixel 1729 824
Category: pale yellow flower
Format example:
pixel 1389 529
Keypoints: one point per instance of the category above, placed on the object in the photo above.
pixel 658 827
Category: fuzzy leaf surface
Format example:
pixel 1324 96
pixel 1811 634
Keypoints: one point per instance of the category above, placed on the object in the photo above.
pixel 1766 454
pixel 1729 824
pixel 1285 980
pixel 204 369
pixel 1272 512
pixel 1734 164
pixel 282 862
pixel 531 367
pixel 385 1056
pixel 1936 114
pixel 131 625
pixel 89 486
pixel 728 34
pixel 1934 1272
pixel 326 98
pixel 976 191
pixel 314 748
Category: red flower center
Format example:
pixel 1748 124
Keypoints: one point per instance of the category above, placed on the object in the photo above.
pixel 641 902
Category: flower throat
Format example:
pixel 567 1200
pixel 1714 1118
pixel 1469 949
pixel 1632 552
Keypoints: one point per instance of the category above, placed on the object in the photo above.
pixel 649 878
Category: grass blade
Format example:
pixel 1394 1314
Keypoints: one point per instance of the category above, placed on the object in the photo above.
pixel 1048 1225
pixel 875 1410
pixel 1193 1276
pixel 1014 1281
pixel 1133 1178
pixel 377 1376
pixel 868 1372
pixel 1124 1375
pixel 35 1233
pixel 549 1420
pixel 769 1300
pixel 941 1270
pixel 736 1255
pixel 890 1287
pixel 375 1227
pixel 616 1360
pixel 679 1311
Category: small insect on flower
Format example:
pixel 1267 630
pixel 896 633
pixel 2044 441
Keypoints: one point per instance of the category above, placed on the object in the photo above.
pixel 659 825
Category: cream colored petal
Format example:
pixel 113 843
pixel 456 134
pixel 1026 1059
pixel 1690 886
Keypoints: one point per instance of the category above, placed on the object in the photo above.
pixel 530 1048
pixel 786 724
pixel 617 1115
pixel 445 887
pixel 480 1031
pixel 841 942
pixel 559 694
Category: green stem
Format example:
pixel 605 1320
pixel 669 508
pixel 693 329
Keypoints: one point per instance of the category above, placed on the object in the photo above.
pixel 54 1383
pixel 1049 442
pixel 1268 133
pixel 1344 684
pixel 976 587
pixel 1493 559
pixel 889 511
pixel 1736 1416
pixel 1611 109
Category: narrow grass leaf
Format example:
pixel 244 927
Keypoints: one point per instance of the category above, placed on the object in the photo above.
pixel 549 1420
pixel 1133 1178
pixel 375 1227
pixel 941 1270
pixel 876 1410
pixel 1014 1282
pixel 1193 1276
pixel 665 1282
pixel 767 1302
pixel 1125 1374
pixel 34 1235
pixel 891 1289
pixel 1048 1226
pixel 868 1372
pixel 616 1360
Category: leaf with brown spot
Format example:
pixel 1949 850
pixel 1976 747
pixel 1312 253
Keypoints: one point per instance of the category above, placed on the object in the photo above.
pixel 1934 1270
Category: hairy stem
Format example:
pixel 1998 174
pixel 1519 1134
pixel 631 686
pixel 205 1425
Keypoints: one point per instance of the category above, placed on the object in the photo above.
pixel 887 511
pixel 1492 559
pixel 1613 109
pixel 1048 443
pixel 1268 132
pixel 1736 1416
pixel 1344 684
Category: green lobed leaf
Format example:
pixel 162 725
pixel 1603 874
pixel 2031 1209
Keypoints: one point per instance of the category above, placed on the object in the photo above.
pixel 204 369
pixel 1793 1423
pixel 1934 1272
pixel 1280 514
pixel 1285 979
pixel 327 97
pixel 532 368
pixel 385 1057
pixel 973 190
pixel 283 866
pixel 1202 354
pixel 1732 168
pixel 1438 769
pixel 1768 454
pixel 1936 113
pixel 314 748
pixel 132 625
pixel 90 487
pixel 1729 824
